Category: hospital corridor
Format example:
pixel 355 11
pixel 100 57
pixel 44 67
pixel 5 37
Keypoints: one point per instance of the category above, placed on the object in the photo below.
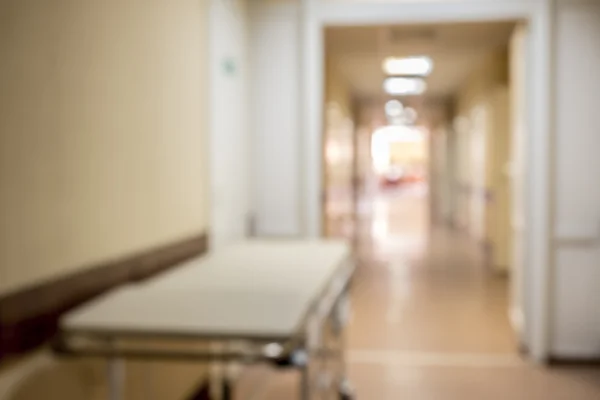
pixel 430 323
pixel 299 200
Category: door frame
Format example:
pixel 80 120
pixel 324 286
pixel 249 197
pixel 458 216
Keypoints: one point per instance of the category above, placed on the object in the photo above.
pixel 315 15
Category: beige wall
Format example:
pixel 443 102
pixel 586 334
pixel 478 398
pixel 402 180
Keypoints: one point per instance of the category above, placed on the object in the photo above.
pixel 434 115
pixel 483 143
pixel 498 211
pixel 492 71
pixel 441 174
pixel 102 153
pixel 102 131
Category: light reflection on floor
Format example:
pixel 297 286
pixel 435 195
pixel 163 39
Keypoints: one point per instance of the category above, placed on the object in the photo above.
pixel 429 322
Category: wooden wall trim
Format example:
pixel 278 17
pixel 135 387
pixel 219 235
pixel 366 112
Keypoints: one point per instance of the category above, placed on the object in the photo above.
pixel 29 317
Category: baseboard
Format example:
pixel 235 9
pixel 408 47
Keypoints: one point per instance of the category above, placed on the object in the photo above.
pixel 574 355
pixel 566 362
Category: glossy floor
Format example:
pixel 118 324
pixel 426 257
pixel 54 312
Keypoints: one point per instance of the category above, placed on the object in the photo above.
pixel 429 322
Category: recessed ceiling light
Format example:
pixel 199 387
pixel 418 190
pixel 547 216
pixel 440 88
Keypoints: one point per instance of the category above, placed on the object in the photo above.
pixel 393 108
pixel 404 86
pixel 416 66
pixel 410 115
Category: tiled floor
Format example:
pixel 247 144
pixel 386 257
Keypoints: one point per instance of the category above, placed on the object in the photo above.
pixel 430 324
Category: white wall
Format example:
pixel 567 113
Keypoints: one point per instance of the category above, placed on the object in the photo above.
pixel 229 130
pixel 274 109
pixel 576 322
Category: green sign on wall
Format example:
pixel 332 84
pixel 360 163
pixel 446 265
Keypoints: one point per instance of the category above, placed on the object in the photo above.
pixel 229 66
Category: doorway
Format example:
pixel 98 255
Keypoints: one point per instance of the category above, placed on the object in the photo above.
pixel 434 195
pixel 535 204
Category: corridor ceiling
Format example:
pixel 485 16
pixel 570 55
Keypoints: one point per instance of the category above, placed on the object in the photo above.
pixel 456 49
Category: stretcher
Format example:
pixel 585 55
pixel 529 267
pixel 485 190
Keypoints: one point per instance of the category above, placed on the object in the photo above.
pixel 282 302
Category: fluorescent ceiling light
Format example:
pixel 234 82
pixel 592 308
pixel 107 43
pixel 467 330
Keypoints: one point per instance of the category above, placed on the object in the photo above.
pixel 404 86
pixel 416 66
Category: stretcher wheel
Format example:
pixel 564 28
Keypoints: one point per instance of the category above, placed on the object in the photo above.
pixel 294 359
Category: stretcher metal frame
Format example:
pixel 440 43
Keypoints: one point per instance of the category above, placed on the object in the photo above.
pixel 305 351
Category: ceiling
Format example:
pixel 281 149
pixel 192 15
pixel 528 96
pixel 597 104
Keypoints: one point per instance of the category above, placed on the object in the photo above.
pixel 456 49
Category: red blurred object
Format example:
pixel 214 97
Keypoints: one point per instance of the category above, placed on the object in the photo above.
pixel 392 178
pixel 390 182
pixel 395 178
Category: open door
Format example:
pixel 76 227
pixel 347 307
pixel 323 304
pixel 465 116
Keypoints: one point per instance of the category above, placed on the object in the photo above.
pixel 516 171
pixel 339 155
pixel 339 170
pixel 500 182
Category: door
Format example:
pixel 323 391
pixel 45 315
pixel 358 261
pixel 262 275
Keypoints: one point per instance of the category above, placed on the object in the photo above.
pixel 500 182
pixel 516 170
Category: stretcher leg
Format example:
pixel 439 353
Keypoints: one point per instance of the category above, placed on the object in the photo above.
pixel 116 378
pixel 226 389
pixel 345 390
pixel 304 383
pixel 203 393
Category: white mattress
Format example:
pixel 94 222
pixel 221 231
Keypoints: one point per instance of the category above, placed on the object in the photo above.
pixel 252 289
